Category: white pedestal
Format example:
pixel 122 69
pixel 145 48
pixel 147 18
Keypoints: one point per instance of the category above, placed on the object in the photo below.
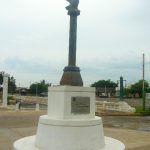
pixel 37 107
pixel 69 135
pixel 17 106
pixel 70 124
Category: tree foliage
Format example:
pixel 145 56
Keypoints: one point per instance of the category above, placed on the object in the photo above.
pixel 11 83
pixel 104 83
pixel 1 79
pixel 38 88
pixel 137 87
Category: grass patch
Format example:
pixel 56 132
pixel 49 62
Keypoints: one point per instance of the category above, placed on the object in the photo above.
pixel 139 110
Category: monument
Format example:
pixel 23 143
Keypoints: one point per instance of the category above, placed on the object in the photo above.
pixel 71 74
pixel 71 123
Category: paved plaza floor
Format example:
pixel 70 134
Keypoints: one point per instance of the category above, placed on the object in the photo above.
pixel 17 124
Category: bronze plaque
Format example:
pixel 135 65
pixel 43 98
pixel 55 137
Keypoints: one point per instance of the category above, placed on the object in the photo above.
pixel 80 105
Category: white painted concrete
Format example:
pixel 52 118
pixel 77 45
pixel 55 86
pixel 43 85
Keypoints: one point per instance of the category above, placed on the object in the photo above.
pixel 37 107
pixel 28 143
pixel 17 106
pixel 5 89
pixel 115 106
pixel 62 129
pixel 59 101
pixel 125 107
pixel 72 134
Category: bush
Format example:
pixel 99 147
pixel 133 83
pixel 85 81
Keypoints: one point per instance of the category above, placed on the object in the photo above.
pixel 11 97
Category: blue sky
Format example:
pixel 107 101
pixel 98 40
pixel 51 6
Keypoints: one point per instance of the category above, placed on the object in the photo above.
pixel 112 35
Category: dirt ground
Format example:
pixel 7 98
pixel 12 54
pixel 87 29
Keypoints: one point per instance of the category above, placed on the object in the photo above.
pixel 17 124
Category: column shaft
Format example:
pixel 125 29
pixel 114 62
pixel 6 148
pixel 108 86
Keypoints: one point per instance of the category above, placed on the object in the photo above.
pixel 72 40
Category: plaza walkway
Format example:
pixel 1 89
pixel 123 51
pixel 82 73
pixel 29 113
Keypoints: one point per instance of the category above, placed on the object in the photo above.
pixel 17 124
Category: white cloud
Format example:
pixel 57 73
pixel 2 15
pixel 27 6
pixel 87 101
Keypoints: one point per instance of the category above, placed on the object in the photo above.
pixel 112 35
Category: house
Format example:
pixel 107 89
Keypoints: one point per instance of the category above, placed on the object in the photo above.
pixel 22 90
pixel 105 91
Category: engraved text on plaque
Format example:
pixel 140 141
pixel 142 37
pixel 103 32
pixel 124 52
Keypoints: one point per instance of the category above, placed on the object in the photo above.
pixel 80 105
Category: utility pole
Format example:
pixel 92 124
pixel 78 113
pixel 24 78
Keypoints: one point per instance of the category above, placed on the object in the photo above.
pixel 143 82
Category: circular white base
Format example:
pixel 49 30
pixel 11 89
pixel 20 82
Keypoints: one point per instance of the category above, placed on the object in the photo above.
pixel 76 134
pixel 70 134
pixel 28 143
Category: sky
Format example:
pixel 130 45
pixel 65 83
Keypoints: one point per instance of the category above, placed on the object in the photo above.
pixel 111 38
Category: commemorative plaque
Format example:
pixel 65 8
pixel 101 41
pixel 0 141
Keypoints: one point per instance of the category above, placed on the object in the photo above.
pixel 80 105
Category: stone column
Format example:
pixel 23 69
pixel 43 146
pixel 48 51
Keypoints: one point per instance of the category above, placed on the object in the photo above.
pixel 5 89
pixel 71 75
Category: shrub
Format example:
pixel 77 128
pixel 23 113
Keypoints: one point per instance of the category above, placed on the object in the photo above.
pixel 11 97
pixel 139 109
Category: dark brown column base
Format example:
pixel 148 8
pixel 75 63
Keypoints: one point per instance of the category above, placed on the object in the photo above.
pixel 71 76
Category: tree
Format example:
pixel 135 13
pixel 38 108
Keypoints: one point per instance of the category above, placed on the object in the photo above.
pixel 37 88
pixel 105 86
pixel 148 90
pixel 11 83
pixel 105 83
pixel 137 87
pixel 1 79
